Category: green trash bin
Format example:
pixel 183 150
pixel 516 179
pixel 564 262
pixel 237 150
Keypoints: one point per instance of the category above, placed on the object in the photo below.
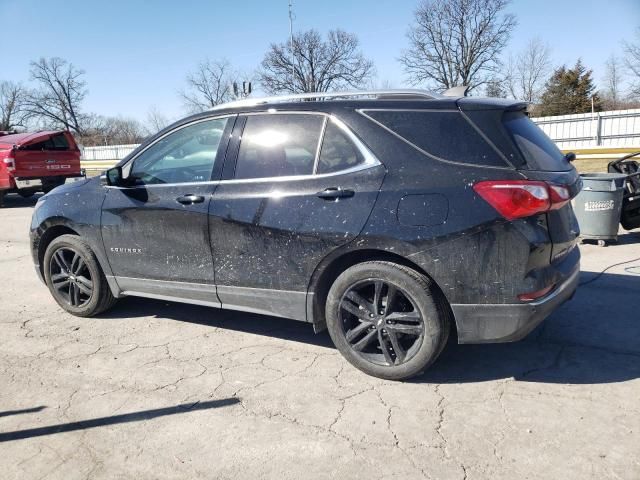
pixel 598 206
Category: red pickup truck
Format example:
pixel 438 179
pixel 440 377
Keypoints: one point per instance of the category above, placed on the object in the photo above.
pixel 33 162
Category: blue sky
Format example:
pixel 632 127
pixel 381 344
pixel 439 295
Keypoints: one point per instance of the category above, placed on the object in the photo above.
pixel 136 53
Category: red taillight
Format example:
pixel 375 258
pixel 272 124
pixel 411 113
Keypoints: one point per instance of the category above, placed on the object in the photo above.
pixel 515 199
pixel 560 196
pixel 10 163
pixel 531 296
pixel 522 198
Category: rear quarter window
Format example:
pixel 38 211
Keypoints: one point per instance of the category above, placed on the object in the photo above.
pixel 538 150
pixel 443 134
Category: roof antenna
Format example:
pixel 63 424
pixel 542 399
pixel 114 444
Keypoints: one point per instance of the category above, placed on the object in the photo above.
pixel 293 71
pixel 457 91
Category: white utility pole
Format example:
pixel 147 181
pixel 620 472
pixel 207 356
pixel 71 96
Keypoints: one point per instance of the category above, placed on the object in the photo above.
pixel 293 70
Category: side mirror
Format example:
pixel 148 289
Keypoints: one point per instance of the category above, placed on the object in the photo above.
pixel 570 157
pixel 112 177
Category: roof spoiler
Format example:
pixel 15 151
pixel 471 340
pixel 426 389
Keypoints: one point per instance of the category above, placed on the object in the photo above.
pixel 483 103
pixel 458 91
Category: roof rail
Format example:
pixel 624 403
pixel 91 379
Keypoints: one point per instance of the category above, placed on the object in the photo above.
pixel 405 94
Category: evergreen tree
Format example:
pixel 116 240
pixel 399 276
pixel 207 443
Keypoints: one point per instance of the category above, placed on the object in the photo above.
pixel 570 90
pixel 495 88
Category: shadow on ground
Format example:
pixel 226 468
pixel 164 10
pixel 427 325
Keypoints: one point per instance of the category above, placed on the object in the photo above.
pixel 624 238
pixel 113 419
pixel 275 327
pixel 591 339
pixel 10 413
pixel 13 200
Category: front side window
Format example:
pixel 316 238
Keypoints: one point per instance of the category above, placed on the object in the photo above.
pixel 277 145
pixel 185 155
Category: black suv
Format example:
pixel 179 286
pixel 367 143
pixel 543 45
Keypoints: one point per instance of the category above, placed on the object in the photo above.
pixel 388 217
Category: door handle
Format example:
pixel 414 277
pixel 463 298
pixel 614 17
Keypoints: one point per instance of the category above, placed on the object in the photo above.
pixel 335 193
pixel 190 199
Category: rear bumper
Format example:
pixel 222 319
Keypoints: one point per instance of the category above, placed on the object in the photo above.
pixel 30 183
pixel 496 323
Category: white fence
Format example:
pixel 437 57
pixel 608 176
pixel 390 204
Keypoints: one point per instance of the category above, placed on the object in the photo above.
pixel 109 152
pixel 617 128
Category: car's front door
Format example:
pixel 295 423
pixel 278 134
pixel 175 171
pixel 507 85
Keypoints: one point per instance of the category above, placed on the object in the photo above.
pixel 155 232
pixel 303 186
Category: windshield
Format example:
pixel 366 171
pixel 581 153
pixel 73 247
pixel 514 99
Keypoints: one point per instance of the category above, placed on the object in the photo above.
pixel 536 147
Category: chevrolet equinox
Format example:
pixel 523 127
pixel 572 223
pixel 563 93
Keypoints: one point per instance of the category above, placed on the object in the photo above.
pixel 391 218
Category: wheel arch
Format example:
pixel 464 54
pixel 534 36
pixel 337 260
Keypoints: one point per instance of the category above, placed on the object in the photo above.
pixel 53 228
pixel 326 273
pixel 48 236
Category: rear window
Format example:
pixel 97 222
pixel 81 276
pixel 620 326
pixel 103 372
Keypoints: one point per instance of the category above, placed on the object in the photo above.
pixel 60 142
pixel 56 142
pixel 446 135
pixel 538 150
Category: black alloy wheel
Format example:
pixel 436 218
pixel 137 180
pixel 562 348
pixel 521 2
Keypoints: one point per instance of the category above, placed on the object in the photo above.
pixel 387 319
pixel 70 277
pixel 381 322
pixel 75 278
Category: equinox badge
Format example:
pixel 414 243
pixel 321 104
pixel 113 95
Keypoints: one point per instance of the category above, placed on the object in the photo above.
pixel 135 251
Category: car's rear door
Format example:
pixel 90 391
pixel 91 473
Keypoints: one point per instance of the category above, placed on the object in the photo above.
pixel 302 186
pixel 156 232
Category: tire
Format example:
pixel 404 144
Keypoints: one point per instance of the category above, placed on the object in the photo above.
pixel 413 326
pixel 74 277
pixel 48 186
pixel 26 193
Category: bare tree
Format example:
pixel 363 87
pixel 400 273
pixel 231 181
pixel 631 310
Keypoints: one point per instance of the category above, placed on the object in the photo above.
pixel 632 62
pixel 123 131
pixel 100 130
pixel 315 65
pixel 457 42
pixel 58 98
pixel 12 113
pixel 528 71
pixel 613 83
pixel 156 121
pixel 380 84
pixel 209 85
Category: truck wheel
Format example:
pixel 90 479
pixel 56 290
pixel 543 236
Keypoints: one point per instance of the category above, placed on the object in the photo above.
pixel 2 193
pixel 74 277
pixel 386 320
pixel 48 186
pixel 26 193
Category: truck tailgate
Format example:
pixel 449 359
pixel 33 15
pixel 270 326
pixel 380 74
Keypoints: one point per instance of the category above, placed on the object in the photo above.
pixel 46 163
